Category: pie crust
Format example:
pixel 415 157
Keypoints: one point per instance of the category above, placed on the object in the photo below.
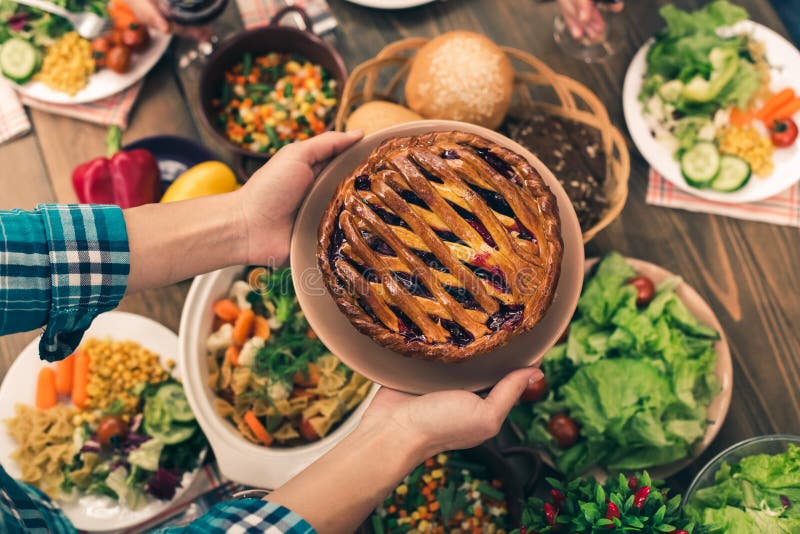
pixel 442 246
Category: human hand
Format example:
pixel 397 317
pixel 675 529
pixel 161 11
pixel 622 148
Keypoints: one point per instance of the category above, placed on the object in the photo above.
pixel 271 197
pixel 583 19
pixel 148 13
pixel 448 420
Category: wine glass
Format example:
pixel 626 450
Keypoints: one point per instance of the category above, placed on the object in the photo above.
pixel 588 30
pixel 194 15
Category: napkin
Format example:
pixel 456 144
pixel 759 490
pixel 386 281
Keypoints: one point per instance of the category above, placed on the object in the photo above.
pixel 112 110
pixel 783 208
pixel 259 12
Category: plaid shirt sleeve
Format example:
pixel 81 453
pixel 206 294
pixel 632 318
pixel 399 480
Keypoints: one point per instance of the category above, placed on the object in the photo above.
pixel 61 265
pixel 247 516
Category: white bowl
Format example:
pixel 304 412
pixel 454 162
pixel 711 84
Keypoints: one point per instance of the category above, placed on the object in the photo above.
pixel 239 459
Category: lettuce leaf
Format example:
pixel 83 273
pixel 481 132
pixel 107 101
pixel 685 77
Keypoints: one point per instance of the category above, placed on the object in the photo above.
pixel 704 20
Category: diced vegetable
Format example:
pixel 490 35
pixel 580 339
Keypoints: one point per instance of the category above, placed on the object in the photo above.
pixel 258 429
pixel 243 327
pixel 46 396
pixel 226 309
pixel 80 380
pixel 65 371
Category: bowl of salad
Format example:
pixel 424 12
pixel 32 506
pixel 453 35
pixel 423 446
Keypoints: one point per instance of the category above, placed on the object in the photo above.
pixel 641 379
pixel 268 87
pixel 753 486
pixel 268 394
pixel 711 103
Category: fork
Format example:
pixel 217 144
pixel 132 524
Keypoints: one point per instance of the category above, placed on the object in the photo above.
pixel 88 25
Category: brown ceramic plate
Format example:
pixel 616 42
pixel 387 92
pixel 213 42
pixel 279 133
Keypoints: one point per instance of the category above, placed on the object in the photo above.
pixel 718 408
pixel 389 368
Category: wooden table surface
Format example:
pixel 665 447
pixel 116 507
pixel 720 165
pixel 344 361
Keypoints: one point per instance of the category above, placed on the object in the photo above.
pixel 747 271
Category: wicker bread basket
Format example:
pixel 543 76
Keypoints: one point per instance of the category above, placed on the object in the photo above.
pixel 535 86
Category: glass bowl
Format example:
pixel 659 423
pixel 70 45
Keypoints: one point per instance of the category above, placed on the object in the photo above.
pixel 774 444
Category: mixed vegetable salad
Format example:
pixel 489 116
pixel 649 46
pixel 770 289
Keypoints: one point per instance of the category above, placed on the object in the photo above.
pixel 621 504
pixel 274 378
pixel 446 494
pixel 706 96
pixel 108 420
pixel 271 100
pixel 758 493
pixel 630 385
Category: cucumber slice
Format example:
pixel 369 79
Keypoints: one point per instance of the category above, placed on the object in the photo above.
pixel 18 59
pixel 175 403
pixel 171 435
pixel 733 174
pixel 700 164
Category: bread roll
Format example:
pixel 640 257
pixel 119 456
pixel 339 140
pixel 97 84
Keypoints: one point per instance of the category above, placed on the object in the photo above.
pixel 461 76
pixel 377 115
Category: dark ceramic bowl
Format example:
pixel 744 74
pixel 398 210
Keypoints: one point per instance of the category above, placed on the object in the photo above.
pixel 500 468
pixel 271 38
pixel 173 153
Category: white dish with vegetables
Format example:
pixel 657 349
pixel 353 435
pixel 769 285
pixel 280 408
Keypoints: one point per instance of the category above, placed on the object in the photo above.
pixel 112 471
pixel 698 99
pixel 274 401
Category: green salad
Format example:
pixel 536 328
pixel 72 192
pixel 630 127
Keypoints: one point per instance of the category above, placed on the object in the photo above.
pixel 758 493
pixel 631 385
pixel 696 73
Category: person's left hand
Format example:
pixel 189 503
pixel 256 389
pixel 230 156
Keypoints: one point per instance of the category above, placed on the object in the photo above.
pixel 271 197
pixel 148 13
pixel 448 420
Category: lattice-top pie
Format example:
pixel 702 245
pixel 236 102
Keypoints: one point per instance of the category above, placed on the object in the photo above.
pixel 442 246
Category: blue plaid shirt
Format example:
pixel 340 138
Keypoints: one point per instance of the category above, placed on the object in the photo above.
pixel 61 266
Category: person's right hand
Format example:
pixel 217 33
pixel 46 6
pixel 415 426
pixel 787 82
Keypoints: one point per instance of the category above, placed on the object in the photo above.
pixel 449 420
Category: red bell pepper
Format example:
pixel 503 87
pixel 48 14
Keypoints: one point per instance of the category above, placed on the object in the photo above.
pixel 126 178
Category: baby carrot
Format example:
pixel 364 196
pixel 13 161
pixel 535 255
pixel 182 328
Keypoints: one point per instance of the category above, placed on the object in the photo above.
pixel 226 309
pixel 243 326
pixel 257 428
pixel 774 102
pixel 785 111
pixel 739 117
pixel 46 396
pixel 65 369
pixel 232 355
pixel 80 380
pixel 261 327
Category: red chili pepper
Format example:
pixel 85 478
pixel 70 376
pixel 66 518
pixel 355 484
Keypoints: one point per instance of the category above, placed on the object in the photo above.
pixel 612 512
pixel 558 498
pixel 641 496
pixel 125 178
pixel 633 482
pixel 549 513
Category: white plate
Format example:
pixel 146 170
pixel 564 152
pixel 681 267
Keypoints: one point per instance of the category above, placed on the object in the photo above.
pixel 718 409
pixel 785 61
pixel 92 513
pixel 390 4
pixel 104 82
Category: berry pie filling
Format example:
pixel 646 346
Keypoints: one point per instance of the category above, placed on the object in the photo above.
pixel 440 241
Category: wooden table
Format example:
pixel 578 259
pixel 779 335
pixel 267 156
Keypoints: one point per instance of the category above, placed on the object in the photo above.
pixel 747 271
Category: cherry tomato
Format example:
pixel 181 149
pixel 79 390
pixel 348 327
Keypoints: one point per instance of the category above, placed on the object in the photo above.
pixel 307 431
pixel 116 36
pixel 563 429
pixel 118 59
pixel 645 289
pixel 535 391
pixel 783 132
pixel 111 427
pixel 135 37
pixel 100 47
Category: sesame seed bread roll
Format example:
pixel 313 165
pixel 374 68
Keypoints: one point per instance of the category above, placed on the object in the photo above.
pixel 377 115
pixel 461 76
